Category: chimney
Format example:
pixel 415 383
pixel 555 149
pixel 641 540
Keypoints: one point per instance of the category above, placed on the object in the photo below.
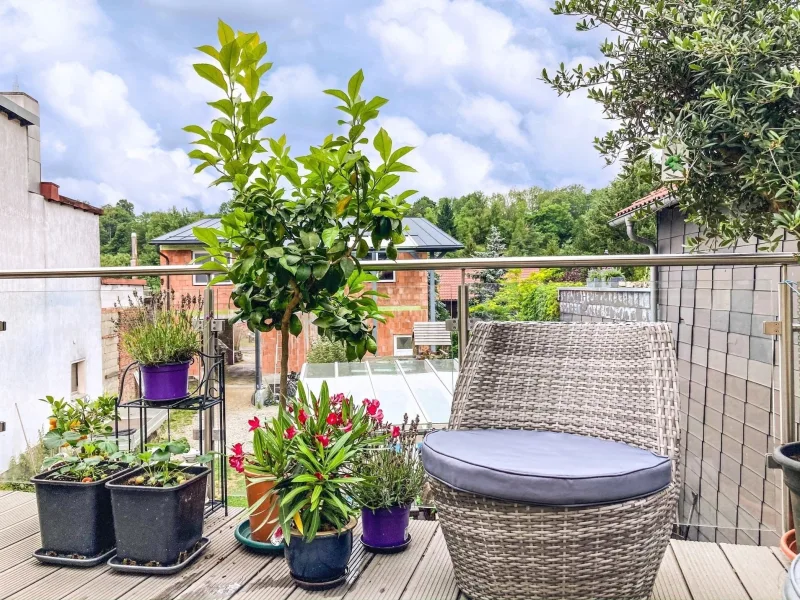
pixel 134 250
pixel 31 109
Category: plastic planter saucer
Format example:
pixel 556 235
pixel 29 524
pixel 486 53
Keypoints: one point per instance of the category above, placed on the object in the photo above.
pixel 72 560
pixel 242 534
pixel 386 550
pixel 146 569
pixel 314 586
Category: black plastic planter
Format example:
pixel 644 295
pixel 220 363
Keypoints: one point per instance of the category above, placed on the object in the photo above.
pixel 74 517
pixel 158 525
pixel 321 561
pixel 788 457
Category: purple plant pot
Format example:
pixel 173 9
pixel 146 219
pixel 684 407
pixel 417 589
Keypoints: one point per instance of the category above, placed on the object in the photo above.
pixel 385 527
pixel 166 382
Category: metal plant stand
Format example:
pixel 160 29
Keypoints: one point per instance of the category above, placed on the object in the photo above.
pixel 208 400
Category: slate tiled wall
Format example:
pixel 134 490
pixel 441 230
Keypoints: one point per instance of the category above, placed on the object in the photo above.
pixel 728 383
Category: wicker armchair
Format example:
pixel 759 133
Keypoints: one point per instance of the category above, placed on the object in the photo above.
pixel 606 380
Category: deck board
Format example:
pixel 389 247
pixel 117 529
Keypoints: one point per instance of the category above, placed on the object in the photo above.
pixel 226 571
pixel 670 582
pixel 708 573
pixel 759 570
pixel 433 577
pixel 387 575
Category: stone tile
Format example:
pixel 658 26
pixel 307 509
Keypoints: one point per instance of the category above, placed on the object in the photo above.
pixel 765 302
pixel 714 380
pixel 719 320
pixel 671 314
pixel 712 437
pixel 752 507
pixel 700 336
pixel 709 478
pixel 731 468
pixel 729 488
pixel 687 297
pixel 714 399
pixel 716 360
pixel 686 315
pixel 696 409
pixel 755 439
pixel 759 395
pixel 734 430
pixel 736 366
pixel 740 323
pixel 734 408
pixel 771 495
pixel 694 445
pixel 683 386
pixel 756 418
pixel 760 372
pixel 695 427
pixel 673 296
pixel 718 340
pixel 702 317
pixel 721 299
pixel 684 368
pixel 762 350
pixel 757 326
pixel 700 356
pixel 767 277
pixel 753 484
pixel 684 351
pixel 684 333
pixel 702 298
pixel 713 418
pixel 699 374
pixel 742 301
pixel 736 387
pixel 755 461
pixel 739 345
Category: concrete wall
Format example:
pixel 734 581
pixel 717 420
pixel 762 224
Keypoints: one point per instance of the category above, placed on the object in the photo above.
pixel 51 323
pixel 594 305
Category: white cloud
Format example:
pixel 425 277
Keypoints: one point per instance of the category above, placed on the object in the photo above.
pixel 426 41
pixel 297 83
pixel 42 31
pixel 488 116
pixel 121 153
pixel 446 165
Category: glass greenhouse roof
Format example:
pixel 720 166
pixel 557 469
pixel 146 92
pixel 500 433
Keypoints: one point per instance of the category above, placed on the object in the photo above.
pixel 403 386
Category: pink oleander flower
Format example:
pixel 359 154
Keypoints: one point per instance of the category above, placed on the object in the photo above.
pixel 237 462
pixel 334 419
pixel 254 423
pixel 324 440
pixel 302 417
pixel 290 432
pixel 395 432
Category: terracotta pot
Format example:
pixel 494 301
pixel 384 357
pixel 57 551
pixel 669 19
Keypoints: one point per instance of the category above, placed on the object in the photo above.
pixel 789 545
pixel 260 526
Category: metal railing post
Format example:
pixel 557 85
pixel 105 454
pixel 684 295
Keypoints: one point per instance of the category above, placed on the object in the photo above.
pixel 463 321
pixel 788 426
pixel 209 351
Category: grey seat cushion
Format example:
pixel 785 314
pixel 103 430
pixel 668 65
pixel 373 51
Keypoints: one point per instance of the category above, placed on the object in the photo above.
pixel 542 467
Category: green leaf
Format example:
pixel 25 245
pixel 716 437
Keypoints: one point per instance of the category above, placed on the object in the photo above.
pixel 329 236
pixel 196 129
pixel 310 239
pixel 276 252
pixel 302 273
pixel 339 94
pixel 348 266
pixel 354 85
pixel 210 50
pixel 212 74
pixel 207 235
pixel 295 324
pixel 229 57
pixel 383 144
pixel 225 33
pixel 250 83
pixel 320 269
pixel 399 153
pixel 224 105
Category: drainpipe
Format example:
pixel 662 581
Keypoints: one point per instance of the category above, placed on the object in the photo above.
pixel 653 270
pixel 134 250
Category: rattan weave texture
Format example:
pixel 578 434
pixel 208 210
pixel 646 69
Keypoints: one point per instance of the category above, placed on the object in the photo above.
pixel 609 380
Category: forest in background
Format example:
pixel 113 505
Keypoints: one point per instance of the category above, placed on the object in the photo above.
pixel 532 222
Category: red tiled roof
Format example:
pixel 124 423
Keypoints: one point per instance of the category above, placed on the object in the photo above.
pixel 451 279
pixel 122 281
pixel 661 193
pixel 50 192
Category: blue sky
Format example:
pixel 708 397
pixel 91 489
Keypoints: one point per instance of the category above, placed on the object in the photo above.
pixel 115 85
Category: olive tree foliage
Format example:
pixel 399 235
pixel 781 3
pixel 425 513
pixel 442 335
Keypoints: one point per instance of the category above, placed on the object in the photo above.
pixel 297 227
pixel 714 85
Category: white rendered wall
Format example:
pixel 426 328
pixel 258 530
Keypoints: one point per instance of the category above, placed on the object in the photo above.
pixel 52 323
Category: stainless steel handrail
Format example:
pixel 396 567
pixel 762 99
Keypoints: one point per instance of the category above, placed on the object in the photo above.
pixel 439 264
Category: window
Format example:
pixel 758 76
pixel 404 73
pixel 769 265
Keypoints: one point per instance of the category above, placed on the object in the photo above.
pixel 77 378
pixel 383 276
pixel 204 278
pixel 403 345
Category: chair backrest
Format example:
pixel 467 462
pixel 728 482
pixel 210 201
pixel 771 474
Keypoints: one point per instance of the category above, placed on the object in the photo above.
pixel 613 381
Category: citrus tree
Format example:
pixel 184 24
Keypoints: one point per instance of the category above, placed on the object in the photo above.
pixel 714 84
pixel 297 227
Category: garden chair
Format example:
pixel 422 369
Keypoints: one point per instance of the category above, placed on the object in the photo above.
pixel 558 477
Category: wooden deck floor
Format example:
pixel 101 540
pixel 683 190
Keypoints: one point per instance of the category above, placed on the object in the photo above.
pixel 691 570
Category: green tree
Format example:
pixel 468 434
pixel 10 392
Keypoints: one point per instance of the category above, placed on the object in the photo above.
pixel 297 251
pixel 425 208
pixel 714 84
pixel 489 279
pixel 444 218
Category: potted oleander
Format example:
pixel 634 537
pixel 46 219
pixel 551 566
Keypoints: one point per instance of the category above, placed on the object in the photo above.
pixel 158 507
pixel 73 480
pixel 262 468
pixel 391 477
pixel 317 507
pixel 163 340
